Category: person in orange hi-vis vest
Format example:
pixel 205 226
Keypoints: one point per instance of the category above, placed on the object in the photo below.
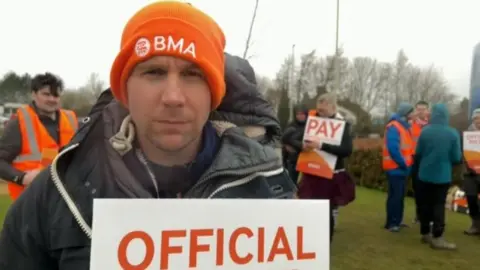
pixel 32 138
pixel 422 113
pixel 397 160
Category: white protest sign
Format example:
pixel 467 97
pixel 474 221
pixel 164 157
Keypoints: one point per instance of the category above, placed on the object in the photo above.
pixel 326 130
pixel 318 162
pixel 471 149
pixel 181 234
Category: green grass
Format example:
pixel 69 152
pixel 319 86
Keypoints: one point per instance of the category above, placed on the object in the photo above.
pixel 4 203
pixel 360 241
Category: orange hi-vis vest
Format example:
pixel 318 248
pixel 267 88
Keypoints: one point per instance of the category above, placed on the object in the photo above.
pixel 406 147
pixel 415 130
pixel 38 147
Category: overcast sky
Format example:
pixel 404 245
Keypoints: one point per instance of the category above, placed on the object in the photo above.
pixel 75 38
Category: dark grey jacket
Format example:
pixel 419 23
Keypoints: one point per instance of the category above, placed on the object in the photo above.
pixel 243 104
pixel 49 226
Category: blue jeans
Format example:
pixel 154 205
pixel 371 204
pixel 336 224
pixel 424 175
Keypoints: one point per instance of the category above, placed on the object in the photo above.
pixel 395 200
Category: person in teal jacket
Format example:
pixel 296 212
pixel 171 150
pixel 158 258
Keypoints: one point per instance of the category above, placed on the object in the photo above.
pixel 438 149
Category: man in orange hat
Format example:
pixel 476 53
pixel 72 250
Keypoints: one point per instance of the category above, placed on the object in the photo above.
pixel 154 140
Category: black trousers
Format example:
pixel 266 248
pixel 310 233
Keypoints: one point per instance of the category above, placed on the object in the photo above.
pixel 414 187
pixel 431 200
pixel 473 207
pixel 332 222
pixel 471 185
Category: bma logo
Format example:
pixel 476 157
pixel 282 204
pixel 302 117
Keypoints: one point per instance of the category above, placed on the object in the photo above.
pixel 142 47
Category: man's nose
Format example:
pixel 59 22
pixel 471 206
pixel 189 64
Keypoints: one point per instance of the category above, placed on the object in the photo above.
pixel 53 99
pixel 173 94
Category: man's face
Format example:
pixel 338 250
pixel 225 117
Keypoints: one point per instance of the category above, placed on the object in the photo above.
pixel 301 116
pixel 169 101
pixel 46 101
pixel 476 122
pixel 325 109
pixel 422 111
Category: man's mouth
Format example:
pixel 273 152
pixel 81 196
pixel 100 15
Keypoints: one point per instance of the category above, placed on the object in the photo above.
pixel 172 123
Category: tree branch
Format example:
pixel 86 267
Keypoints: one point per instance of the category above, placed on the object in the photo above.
pixel 250 31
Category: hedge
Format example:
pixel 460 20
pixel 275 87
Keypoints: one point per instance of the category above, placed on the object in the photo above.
pixel 365 166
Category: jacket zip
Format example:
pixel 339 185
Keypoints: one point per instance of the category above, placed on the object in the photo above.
pixel 245 180
pixel 249 175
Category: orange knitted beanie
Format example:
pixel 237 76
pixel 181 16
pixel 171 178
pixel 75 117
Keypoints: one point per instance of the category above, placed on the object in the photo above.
pixel 175 29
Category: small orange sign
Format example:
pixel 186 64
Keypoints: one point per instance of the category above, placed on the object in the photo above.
pixel 471 149
pixel 314 163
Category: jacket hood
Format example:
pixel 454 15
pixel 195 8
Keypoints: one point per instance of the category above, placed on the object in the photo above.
pixel 243 105
pixel 439 115
pixel 404 109
pixel 299 108
pixel 401 119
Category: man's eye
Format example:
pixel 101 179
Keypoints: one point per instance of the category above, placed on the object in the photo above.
pixel 156 72
pixel 193 73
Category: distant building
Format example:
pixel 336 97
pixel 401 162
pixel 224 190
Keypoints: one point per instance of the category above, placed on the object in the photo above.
pixel 9 108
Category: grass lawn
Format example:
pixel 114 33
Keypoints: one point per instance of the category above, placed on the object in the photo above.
pixel 4 203
pixel 360 241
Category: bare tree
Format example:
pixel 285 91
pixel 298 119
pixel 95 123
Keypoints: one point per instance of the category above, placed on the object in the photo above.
pixel 305 80
pixel 433 86
pixel 281 82
pixel 94 86
pixel 375 86
pixel 263 84
pixel 78 101
pixel 367 81
pixel 248 43
pixel 412 82
pixel 398 79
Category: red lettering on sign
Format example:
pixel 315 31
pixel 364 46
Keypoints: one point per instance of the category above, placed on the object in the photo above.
pixel 280 246
pixel 166 249
pixel 232 246
pixel 312 125
pixel 334 127
pixel 300 254
pixel 324 128
pixel 122 250
pixel 195 247
pixel 215 241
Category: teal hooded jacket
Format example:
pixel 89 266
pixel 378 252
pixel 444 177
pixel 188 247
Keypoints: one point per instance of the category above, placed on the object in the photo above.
pixel 438 148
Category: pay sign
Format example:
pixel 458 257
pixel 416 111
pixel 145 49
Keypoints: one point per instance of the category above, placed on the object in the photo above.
pixel 210 234
pixel 327 130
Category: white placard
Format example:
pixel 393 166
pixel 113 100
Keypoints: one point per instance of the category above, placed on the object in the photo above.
pixel 326 130
pixel 189 234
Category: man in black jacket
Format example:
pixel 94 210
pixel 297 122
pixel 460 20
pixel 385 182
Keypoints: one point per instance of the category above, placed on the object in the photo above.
pixel 471 184
pixel 152 141
pixel 292 140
